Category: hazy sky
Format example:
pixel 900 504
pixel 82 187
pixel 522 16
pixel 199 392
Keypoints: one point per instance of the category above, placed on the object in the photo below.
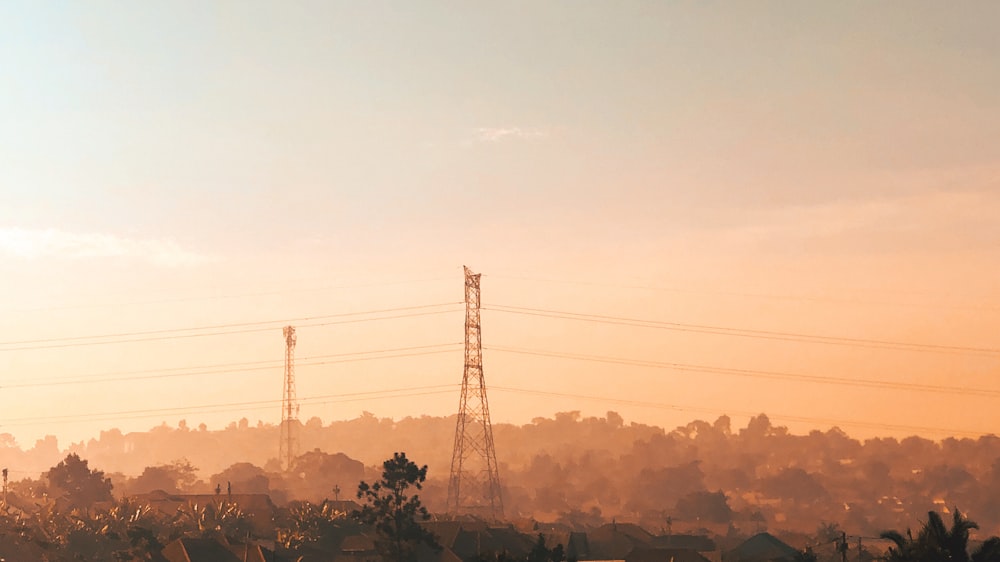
pixel 806 168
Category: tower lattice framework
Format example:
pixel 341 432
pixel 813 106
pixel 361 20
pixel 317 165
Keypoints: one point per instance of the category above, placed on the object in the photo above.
pixel 288 449
pixel 474 484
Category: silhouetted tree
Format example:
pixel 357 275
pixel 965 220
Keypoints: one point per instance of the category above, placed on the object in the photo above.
pixel 793 484
pixel 937 543
pixel 989 551
pixel 244 477
pixel 174 478
pixel 82 487
pixel 393 513
pixel 706 506
pixel 828 532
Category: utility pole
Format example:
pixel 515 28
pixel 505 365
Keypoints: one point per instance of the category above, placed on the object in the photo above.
pixel 5 489
pixel 288 449
pixel 474 482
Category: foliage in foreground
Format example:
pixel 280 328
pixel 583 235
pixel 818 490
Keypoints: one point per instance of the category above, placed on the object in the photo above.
pixel 935 542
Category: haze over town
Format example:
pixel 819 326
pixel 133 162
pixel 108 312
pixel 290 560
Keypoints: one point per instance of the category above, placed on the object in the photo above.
pixel 820 170
pixel 680 212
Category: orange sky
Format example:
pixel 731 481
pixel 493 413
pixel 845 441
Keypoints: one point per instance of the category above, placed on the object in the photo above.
pixel 819 170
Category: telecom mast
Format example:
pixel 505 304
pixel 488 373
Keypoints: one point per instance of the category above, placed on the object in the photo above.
pixel 474 484
pixel 288 449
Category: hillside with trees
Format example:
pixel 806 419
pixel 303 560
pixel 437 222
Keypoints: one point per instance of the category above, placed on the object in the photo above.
pixel 574 470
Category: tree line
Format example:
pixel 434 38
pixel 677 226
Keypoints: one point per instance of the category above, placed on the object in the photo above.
pixel 78 518
pixel 584 471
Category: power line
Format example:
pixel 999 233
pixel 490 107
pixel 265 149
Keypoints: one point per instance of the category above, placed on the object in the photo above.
pixel 173 333
pixel 232 406
pixel 230 325
pixel 448 388
pixel 246 363
pixel 445 389
pixel 823 379
pixel 804 298
pixel 232 296
pixel 412 351
pixel 740 332
pixel 223 368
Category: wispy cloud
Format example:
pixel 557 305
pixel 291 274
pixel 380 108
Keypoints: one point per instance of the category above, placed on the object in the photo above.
pixel 495 134
pixel 54 243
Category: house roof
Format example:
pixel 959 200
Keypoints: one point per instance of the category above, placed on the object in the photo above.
pixel 577 546
pixel 428 554
pixel 664 555
pixel 445 531
pixel 216 550
pixel 630 530
pixel 762 547
pixel 198 550
pixel 345 506
pixel 467 543
pixel 357 543
pixel 258 506
pixel 313 554
pixel 249 503
pixel 615 540
pixel 697 543
pixel 254 553
pixel 509 540
pixel 575 543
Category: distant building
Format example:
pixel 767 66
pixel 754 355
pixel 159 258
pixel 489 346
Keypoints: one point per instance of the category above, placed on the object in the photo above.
pixel 696 543
pixel 343 506
pixel 762 547
pixel 357 548
pixel 258 506
pixel 615 541
pixel 216 550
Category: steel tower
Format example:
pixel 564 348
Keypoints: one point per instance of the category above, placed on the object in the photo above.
pixel 288 449
pixel 474 484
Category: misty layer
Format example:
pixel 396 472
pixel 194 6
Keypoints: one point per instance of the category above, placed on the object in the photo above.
pixel 580 472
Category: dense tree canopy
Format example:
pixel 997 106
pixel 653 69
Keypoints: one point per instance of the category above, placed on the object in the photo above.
pixel 80 486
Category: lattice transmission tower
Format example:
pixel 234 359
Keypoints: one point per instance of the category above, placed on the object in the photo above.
pixel 474 484
pixel 288 449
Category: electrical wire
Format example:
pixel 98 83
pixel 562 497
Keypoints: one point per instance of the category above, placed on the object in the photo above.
pixel 223 368
pixel 232 406
pixel 76 341
pixel 773 296
pixel 230 325
pixel 822 379
pixel 740 332
pixel 296 290
pixel 424 310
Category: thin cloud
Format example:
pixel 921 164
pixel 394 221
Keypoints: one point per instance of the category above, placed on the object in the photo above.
pixel 496 134
pixel 53 243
